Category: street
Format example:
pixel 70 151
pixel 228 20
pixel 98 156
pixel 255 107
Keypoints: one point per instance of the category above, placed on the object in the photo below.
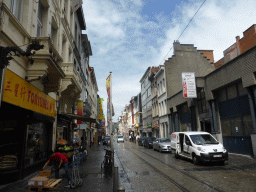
pixel 148 170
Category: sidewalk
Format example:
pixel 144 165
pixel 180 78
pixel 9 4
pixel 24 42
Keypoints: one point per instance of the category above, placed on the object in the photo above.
pixel 94 180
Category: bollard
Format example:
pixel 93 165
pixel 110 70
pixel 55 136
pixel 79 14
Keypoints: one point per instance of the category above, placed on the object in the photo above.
pixel 121 189
pixel 116 183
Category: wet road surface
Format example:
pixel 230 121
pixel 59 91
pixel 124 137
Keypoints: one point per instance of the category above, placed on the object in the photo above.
pixel 143 169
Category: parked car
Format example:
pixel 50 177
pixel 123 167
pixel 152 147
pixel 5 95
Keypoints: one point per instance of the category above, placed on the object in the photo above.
pixel 198 146
pixel 148 142
pixel 162 144
pixel 140 141
pixel 106 140
pixel 120 138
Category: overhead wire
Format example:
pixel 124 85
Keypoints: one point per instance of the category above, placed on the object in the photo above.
pixel 184 29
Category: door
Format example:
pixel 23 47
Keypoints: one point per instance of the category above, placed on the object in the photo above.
pixel 186 145
pixel 181 140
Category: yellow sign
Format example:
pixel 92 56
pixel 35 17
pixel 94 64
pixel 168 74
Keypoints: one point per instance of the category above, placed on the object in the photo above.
pixel 100 116
pixel 21 93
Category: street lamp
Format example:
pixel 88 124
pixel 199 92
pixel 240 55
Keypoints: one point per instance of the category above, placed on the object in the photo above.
pixel 6 55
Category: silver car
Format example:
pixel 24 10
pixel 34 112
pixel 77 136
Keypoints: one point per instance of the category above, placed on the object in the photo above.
pixel 162 144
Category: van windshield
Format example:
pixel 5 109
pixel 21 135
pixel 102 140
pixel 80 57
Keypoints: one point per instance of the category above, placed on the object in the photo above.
pixel 203 139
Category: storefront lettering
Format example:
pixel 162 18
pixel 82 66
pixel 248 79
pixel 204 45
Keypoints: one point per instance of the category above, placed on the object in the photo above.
pixel 19 92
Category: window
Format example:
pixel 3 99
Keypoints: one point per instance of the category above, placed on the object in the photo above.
pixel 40 19
pixel 149 92
pixel 201 101
pixel 16 7
pixel 36 146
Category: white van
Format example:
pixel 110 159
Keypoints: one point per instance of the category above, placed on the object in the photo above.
pixel 198 146
pixel 120 138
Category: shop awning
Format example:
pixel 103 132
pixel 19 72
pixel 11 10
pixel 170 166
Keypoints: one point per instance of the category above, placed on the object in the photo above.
pixel 78 117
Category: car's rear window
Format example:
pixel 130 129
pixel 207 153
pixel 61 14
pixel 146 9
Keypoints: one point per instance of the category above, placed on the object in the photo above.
pixel 120 136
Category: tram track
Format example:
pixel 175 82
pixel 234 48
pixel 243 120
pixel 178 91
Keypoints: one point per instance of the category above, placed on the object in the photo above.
pixel 182 188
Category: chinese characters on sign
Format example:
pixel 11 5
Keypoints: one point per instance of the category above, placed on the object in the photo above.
pixel 19 92
pixel 189 85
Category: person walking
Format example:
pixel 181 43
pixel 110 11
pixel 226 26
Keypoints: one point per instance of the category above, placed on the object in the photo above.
pixel 59 159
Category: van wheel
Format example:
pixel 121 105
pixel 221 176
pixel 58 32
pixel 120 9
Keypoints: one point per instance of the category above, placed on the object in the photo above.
pixel 195 160
pixel 176 155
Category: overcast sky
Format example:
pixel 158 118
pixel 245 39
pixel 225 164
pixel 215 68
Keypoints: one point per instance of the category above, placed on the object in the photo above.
pixel 128 36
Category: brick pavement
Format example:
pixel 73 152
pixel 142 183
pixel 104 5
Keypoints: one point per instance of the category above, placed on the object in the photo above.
pixel 94 180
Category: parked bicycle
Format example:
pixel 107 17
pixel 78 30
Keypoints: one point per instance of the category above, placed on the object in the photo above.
pixel 108 162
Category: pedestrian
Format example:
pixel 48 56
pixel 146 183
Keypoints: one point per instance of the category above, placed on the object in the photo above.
pixel 59 159
pixel 130 138
pixel 99 137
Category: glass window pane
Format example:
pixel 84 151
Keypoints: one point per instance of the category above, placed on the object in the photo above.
pixel 225 127
pixel 247 122
pixel 231 91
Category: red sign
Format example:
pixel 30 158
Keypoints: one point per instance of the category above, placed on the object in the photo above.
pixel 79 110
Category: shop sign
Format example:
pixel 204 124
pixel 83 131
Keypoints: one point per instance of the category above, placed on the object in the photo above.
pixel 147 130
pixel 83 126
pixel 100 112
pixel 79 110
pixel 155 124
pixel 189 85
pixel 21 93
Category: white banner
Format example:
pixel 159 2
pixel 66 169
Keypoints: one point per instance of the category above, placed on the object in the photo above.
pixel 189 85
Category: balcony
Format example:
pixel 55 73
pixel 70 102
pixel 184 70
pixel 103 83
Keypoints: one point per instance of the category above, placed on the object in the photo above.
pixel 72 76
pixel 47 65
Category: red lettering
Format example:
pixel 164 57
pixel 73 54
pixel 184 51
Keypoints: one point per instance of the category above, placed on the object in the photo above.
pixel 36 99
pixel 16 90
pixel 29 94
pixel 8 86
pixel 32 97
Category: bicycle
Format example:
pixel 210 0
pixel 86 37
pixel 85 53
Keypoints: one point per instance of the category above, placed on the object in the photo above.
pixel 107 163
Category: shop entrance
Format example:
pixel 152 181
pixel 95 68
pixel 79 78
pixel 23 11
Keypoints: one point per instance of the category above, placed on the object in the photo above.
pixel 236 119
pixel 206 126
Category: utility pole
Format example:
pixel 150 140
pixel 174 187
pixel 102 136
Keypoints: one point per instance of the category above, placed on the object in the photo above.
pixel 110 122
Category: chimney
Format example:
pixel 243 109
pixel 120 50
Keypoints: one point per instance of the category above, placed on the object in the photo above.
pixel 237 38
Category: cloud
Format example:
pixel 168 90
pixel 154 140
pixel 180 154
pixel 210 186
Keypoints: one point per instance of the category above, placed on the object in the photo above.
pixel 127 41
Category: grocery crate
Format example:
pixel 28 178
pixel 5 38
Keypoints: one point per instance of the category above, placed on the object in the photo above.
pixel 46 173
pixel 50 186
pixel 38 181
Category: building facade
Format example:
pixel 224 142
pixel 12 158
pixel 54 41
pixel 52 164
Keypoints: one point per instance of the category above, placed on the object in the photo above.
pixel 40 90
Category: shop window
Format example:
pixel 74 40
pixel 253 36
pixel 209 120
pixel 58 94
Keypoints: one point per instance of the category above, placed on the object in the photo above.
pixel 232 91
pixel 16 8
pixel 36 146
pixel 225 127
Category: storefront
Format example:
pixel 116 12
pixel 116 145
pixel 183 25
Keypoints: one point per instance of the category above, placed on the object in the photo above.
pixel 236 119
pixel 26 128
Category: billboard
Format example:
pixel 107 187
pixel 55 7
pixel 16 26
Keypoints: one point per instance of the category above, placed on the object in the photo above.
pixel 189 85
